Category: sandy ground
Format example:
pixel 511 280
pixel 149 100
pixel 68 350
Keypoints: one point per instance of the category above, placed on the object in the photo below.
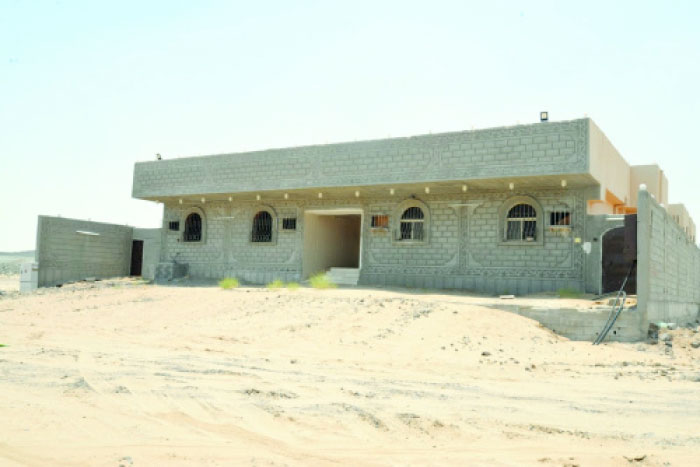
pixel 124 373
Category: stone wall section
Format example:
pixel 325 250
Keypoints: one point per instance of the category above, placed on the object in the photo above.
pixel 668 278
pixel 70 250
pixel 541 149
pixel 464 247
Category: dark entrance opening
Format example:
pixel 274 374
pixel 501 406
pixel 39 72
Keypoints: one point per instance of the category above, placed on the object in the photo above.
pixel 619 252
pixel 136 257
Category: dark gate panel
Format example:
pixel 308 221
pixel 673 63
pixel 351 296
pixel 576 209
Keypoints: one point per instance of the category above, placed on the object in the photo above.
pixel 619 252
pixel 136 257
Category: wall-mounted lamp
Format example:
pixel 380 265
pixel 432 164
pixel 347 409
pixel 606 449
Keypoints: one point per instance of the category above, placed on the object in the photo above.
pixel 180 201
pixel 427 190
pixel 563 183
pixel 286 196
pixel 320 195
pixel 257 197
pixel 357 194
pixel 464 188
pixel 511 185
pixel 230 198
pixel 392 191
pixel 204 200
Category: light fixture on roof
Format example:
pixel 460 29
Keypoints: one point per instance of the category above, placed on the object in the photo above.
pixel 158 156
pixel 563 183
pixel 427 190
pixel 357 193
pixel 464 188
pixel 544 116
pixel 511 185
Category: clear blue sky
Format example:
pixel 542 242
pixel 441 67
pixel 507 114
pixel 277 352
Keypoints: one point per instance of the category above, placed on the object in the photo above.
pixel 88 88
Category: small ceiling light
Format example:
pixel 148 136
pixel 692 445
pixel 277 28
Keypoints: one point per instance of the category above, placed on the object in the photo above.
pixel 563 183
pixel 357 194
pixel 392 191
pixel 204 199
pixel 320 195
pixel 464 188
pixel 427 190
pixel 286 196
pixel 257 197
pixel 511 185
pixel 544 116
pixel 180 201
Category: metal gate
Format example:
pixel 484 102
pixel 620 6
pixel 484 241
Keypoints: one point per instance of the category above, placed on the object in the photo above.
pixel 619 252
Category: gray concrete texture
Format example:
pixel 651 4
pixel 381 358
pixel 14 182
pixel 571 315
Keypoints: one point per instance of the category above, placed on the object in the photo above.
pixel 525 150
pixel 71 249
pixel 668 277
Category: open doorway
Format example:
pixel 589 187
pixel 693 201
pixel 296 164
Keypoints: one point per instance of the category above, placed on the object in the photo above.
pixel 136 257
pixel 332 239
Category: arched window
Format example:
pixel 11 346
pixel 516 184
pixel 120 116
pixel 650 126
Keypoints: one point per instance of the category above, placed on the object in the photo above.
pixel 193 228
pixel 412 224
pixel 262 227
pixel 521 223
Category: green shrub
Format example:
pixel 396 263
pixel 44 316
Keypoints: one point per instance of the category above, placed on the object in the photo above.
pixel 276 284
pixel 568 293
pixel 3 345
pixel 229 283
pixel 321 281
pixel 293 285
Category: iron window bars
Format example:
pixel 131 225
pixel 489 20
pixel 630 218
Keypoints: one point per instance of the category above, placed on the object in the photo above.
pixel 289 223
pixel 262 227
pixel 412 223
pixel 521 224
pixel 560 218
pixel 193 228
pixel 380 222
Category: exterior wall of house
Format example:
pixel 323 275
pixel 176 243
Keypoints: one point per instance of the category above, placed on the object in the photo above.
pixel 541 149
pixel 668 278
pixel 151 250
pixel 463 249
pixel 608 166
pixel 70 250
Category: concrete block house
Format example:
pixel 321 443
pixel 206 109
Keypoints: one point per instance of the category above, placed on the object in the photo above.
pixel 516 210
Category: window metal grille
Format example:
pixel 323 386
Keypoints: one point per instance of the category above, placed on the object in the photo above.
pixel 289 223
pixel 412 224
pixel 521 223
pixel 262 227
pixel 193 228
pixel 174 225
pixel 380 222
pixel 560 218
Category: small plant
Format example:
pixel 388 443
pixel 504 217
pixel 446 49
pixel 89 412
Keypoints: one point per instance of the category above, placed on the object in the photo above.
pixel 568 293
pixel 229 283
pixel 293 285
pixel 3 345
pixel 276 284
pixel 321 281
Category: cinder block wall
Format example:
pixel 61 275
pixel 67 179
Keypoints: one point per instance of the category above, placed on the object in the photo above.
pixel 668 277
pixel 463 251
pixel 65 255
pixel 547 148
pixel 151 250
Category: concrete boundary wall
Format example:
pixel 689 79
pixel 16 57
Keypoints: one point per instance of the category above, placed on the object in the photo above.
pixel 668 264
pixel 72 249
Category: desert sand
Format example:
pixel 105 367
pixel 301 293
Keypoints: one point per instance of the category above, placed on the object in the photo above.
pixel 126 373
